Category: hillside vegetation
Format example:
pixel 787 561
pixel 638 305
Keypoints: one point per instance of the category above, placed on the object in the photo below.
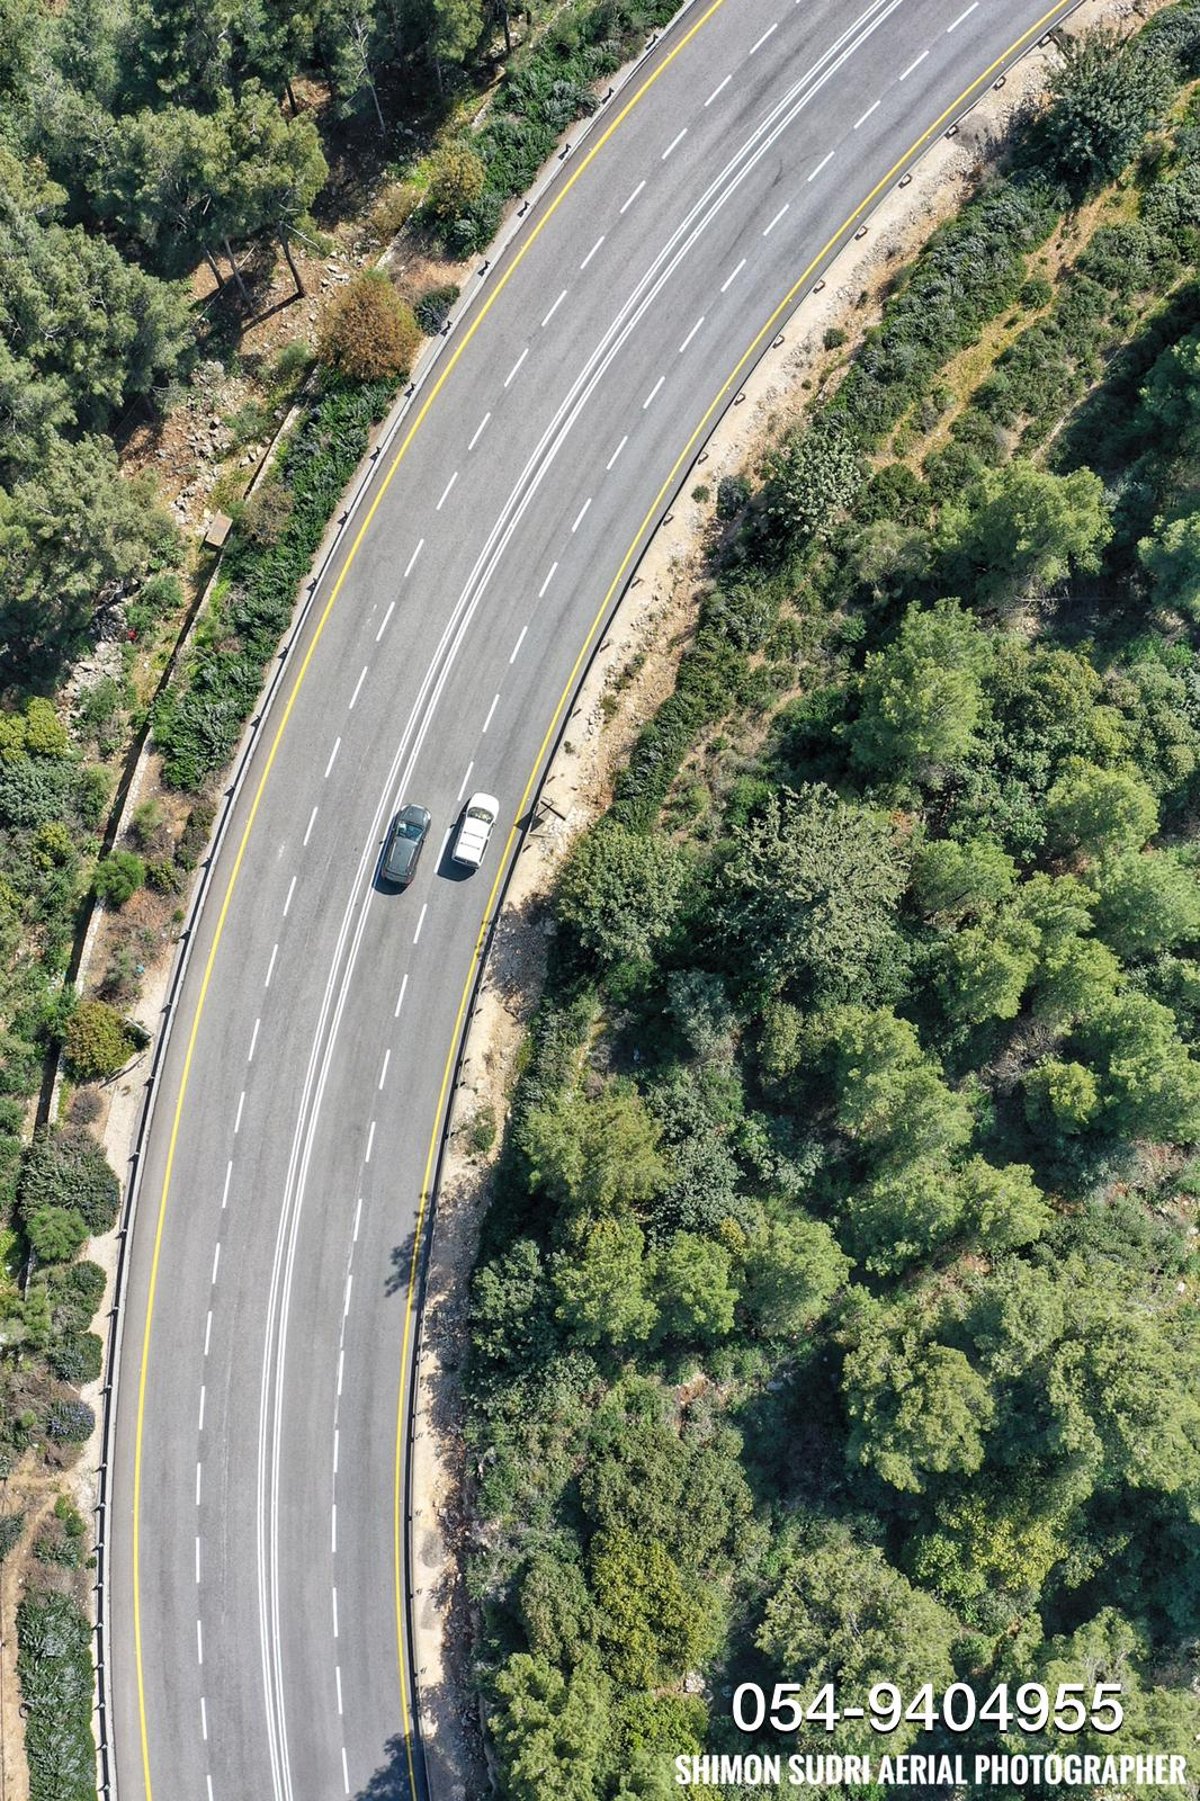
pixel 836 1317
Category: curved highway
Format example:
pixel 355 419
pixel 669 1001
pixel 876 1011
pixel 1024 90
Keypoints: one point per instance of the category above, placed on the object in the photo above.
pixel 257 1587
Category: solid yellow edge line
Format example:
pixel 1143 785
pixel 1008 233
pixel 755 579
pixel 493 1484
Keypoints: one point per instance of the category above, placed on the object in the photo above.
pixel 482 314
pixel 564 697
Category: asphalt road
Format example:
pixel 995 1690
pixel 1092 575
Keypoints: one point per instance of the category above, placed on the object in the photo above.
pixel 257 1594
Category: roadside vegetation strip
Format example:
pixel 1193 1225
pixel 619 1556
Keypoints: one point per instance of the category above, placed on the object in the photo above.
pixel 54 1667
pixel 856 1139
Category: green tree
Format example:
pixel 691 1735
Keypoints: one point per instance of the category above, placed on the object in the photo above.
pixel 1098 812
pixel 917 1408
pixel 1023 530
pixel 694 1289
pixel 69 535
pixel 953 880
pixel 621 891
pixel 280 170
pixel 1149 1082
pixel 97 1041
pixel 1171 558
pixel 794 1267
pixel 1061 1094
pixel 600 1282
pixel 551 1729
pixel 1106 95
pixel 921 698
pixel 1147 903
pixel 55 1233
pixel 1003 1204
pixel 656 1625
pixel 596 1154
pixel 1171 406
pixel 809 893
pixel 984 970
pixel 118 877
pixel 841 1613
pixel 456 180
pixel 902 1216
pixel 890 1095
pixel 1075 978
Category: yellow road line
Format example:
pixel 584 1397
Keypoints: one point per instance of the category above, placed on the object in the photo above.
pixel 172 1144
pixel 564 698
pixel 451 363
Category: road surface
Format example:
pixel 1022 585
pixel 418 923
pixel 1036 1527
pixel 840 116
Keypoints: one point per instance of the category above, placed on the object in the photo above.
pixel 257 1595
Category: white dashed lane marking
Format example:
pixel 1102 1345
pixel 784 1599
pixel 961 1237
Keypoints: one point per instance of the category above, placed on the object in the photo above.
pixel 579 516
pixel 386 620
pixel 292 884
pixel 628 203
pixel 412 561
pixel 541 594
pixel 654 390
pixel 512 372
pixel 775 221
pixel 446 491
pixel 957 22
pixel 691 334
pixel 733 275
pixel 591 253
pixel 358 686
pixel 762 40
pixel 337 745
pixel 675 143
pixel 616 453
pixel 823 164
pixel 516 647
pixel 271 965
pixel 720 87
pixel 554 309
pixel 914 64
pixel 404 982
pixel 312 820
pixel 420 921
pixel 862 119
pixel 482 426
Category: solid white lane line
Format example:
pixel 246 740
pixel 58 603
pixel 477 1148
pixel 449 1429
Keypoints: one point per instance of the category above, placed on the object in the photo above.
pixel 403 986
pixel 721 85
pixel 579 516
pixel 337 745
pixel 292 884
pixel 237 1124
pixel 225 1192
pixel 865 116
pixel 200 1428
pixel 674 144
pixel 914 64
pixel 199 1467
pixel 271 965
pixel 616 453
pixel 541 593
pixel 333 1530
pixel 775 221
pixel 463 784
pixel 633 196
pixel 482 426
pixel 823 164
pixel 337 1670
pixel 199 1643
pixel 516 647
pixel 411 563
pixel 421 921
pixel 733 275
pixel 654 390
pixel 197 1560
pixel 216 1261
pixel 358 687
pixel 203 1719
pixel 370 1141
pixel 207 1335
pixel 357 1218
pixel 335 1618
pixel 512 372
pixel 957 22
pixel 312 820
pixel 387 1057
pixel 591 253
pixel 762 40
pixel 345 1772
pixel 551 313
pixel 253 1040
pixel 446 492
pixel 386 620
pixel 691 334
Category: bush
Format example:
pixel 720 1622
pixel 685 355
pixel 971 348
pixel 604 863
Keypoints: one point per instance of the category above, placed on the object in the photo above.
pixel 97 1042
pixel 78 1357
pixel 366 332
pixel 456 181
pixel 69 1169
pixel 55 1233
pixel 433 309
pixel 733 492
pixel 1107 95
pixel 393 209
pixel 71 1422
pixel 45 733
pixel 54 1666
pixel 118 878
pixel 86 1106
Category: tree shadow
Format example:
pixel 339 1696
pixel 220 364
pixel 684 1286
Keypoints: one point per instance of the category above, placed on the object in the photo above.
pixel 390 1781
pixel 399 1275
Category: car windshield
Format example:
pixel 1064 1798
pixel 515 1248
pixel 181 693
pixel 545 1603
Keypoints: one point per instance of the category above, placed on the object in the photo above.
pixel 409 828
pixel 478 813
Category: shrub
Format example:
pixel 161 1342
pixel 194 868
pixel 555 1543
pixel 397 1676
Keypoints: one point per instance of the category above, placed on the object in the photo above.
pixel 69 1169
pixel 393 209
pixel 78 1357
pixel 366 332
pixel 97 1041
pixel 54 1666
pixel 733 491
pixel 118 878
pixel 834 337
pixel 456 181
pixel 71 1422
pixel 11 1527
pixel 45 733
pixel 33 792
pixel 433 308
pixel 1107 95
pixel 86 1106
pixel 55 1233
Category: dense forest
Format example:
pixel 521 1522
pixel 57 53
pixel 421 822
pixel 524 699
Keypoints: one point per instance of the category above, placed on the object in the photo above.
pixel 836 1314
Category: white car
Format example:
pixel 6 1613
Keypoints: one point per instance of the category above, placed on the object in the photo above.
pixel 475 829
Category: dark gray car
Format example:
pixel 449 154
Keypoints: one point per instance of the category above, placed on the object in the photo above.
pixel 402 852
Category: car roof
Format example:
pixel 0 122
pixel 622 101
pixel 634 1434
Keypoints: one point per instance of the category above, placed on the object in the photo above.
pixel 487 801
